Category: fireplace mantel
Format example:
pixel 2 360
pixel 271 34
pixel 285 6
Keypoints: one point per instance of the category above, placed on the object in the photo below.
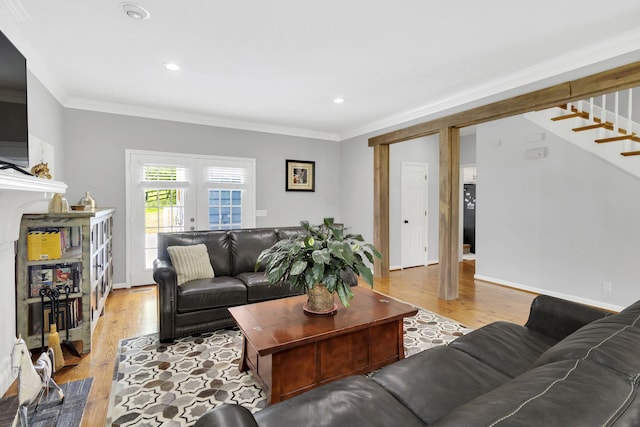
pixel 19 192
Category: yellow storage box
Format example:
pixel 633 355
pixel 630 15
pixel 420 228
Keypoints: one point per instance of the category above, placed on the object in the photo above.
pixel 43 245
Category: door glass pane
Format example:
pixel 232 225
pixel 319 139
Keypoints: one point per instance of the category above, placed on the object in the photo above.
pixel 164 211
pixel 225 209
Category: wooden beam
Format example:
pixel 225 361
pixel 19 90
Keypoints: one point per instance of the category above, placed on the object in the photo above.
pixel 381 208
pixel 449 212
pixel 624 77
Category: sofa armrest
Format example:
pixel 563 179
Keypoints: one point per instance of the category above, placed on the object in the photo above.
pixel 165 276
pixel 558 318
pixel 227 415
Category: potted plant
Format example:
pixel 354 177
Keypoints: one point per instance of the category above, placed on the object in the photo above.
pixel 316 260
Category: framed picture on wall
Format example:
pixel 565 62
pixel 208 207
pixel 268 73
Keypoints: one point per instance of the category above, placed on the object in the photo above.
pixel 301 175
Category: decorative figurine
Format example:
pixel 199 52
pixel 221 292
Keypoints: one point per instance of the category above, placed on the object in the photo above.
pixel 41 170
pixel 34 382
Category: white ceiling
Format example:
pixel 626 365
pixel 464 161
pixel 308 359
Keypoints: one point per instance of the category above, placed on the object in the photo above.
pixel 277 65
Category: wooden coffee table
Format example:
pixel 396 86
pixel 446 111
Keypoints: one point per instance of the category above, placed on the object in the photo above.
pixel 291 352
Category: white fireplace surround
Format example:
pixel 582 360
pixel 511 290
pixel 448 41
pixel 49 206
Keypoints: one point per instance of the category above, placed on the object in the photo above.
pixel 19 193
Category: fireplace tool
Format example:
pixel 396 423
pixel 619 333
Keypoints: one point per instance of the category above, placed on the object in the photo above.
pixel 53 293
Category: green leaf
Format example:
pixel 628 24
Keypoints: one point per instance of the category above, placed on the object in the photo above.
pixel 329 280
pixel 374 250
pixel 328 222
pixel 357 237
pixel 366 274
pixel 321 256
pixel 369 256
pixel 317 271
pixel 309 280
pixel 336 249
pixel 344 299
pixel 276 274
pixel 298 267
pixel 309 241
pixel 338 234
pixel 348 254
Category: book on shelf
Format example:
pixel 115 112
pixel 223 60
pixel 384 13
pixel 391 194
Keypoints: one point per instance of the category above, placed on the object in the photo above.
pixel 51 242
pixel 40 277
pixel 42 316
pixel 59 275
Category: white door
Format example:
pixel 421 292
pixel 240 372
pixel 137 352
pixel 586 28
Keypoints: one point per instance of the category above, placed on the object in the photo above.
pixel 171 192
pixel 414 214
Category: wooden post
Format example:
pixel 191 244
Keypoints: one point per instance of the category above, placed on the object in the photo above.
pixel 381 208
pixel 449 212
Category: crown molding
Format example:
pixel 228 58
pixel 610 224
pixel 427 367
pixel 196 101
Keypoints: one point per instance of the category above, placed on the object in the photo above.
pixel 578 61
pixel 200 119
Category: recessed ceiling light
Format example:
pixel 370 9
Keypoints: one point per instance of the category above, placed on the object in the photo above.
pixel 338 100
pixel 171 66
pixel 134 11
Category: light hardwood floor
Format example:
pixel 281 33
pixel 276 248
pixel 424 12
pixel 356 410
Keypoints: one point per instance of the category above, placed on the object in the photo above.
pixel 133 312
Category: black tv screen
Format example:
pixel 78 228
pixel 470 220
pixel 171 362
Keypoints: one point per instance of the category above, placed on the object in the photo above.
pixel 14 133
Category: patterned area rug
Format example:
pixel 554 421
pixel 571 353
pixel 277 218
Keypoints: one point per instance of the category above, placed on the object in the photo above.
pixel 52 413
pixel 173 384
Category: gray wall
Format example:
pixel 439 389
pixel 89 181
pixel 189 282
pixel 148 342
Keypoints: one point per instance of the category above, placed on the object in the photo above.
pixel 357 170
pixel 421 150
pixel 356 196
pixel 45 115
pixel 98 141
pixel 562 225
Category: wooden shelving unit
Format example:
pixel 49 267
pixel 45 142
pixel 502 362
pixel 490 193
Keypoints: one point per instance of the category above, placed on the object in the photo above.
pixel 85 265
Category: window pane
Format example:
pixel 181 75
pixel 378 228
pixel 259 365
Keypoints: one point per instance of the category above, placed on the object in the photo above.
pixel 225 198
pixel 236 215
pixel 236 198
pixel 214 215
pixel 225 214
pixel 164 212
pixel 214 197
pixel 225 209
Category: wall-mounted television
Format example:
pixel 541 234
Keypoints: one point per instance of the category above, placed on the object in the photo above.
pixel 14 132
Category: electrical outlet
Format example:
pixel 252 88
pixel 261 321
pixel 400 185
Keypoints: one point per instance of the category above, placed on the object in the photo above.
pixel 606 286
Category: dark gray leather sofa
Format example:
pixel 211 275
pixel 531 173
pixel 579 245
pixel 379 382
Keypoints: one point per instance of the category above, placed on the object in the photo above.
pixel 201 305
pixel 570 365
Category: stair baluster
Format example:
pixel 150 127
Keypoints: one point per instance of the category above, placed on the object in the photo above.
pixel 616 118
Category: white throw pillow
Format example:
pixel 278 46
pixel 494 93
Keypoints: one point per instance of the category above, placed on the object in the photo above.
pixel 191 262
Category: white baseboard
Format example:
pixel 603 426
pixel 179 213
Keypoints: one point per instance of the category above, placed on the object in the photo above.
pixel 568 297
pixel 121 286
pixel 399 267
pixel 433 261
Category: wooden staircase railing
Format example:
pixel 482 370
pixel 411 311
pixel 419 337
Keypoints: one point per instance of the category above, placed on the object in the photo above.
pixel 620 134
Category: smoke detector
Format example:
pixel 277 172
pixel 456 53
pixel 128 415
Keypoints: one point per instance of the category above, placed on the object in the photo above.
pixel 134 11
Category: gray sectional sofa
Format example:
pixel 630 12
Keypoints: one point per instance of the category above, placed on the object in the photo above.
pixel 569 365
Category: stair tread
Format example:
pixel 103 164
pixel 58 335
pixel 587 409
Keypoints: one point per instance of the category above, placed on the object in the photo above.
pixel 619 138
pixel 589 127
pixel 570 116
pixel 631 153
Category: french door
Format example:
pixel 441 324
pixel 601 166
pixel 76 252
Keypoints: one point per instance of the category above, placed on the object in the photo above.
pixel 177 192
